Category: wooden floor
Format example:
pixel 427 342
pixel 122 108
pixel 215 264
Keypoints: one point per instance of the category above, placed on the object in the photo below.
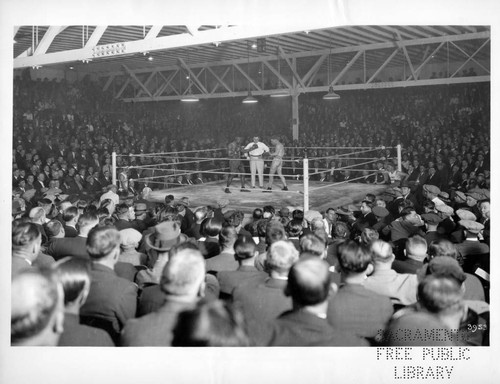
pixel 319 199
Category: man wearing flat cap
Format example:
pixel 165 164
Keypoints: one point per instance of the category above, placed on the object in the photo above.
pixel 471 249
pixel 431 221
pixel 431 192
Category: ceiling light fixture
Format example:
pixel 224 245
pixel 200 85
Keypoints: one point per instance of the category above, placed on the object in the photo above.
pixel 249 99
pixel 331 95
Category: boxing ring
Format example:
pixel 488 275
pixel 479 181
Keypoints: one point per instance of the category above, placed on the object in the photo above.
pixel 317 177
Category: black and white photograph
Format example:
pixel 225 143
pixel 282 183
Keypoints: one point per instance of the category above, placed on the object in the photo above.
pixel 249 191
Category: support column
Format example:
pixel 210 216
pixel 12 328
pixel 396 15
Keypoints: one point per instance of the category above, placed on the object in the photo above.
pixel 295 116
pixel 306 184
pixel 113 167
pixel 399 158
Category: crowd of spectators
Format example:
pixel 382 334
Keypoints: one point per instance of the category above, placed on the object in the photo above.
pixel 121 270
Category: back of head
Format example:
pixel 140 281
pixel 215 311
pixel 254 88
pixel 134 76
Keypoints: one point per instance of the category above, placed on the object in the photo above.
pixel 281 256
pixel 442 247
pixel 210 324
pixel 274 232
pixel 183 274
pixel 440 294
pixel 102 241
pixel 36 214
pixel 298 214
pixel 340 230
pixel 313 244
pixel 211 227
pixel 381 251
pixel 24 235
pixel 53 228
pixel 86 221
pixel 74 275
pixel 309 281
pixel 294 228
pixel 236 218
pixel 70 213
pixel 353 258
pixel 368 236
pixel 200 214
pixel 36 309
pixel 317 223
pixel 228 236
pixel 244 247
pixel 416 248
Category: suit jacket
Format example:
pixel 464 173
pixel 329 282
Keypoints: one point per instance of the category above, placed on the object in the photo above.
pixel 154 329
pixel 229 280
pixel 359 310
pixel 68 246
pixel 152 298
pixel 80 335
pixel 70 231
pixel 222 262
pixel 400 288
pixel 260 304
pixel 407 266
pixel 304 329
pixel 111 298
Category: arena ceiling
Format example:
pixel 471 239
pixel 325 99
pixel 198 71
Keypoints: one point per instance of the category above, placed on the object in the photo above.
pixel 166 62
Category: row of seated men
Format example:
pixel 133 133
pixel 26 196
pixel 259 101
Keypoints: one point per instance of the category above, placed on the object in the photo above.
pixel 314 292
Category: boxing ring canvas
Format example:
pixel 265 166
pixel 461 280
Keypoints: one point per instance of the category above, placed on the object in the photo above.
pixel 321 199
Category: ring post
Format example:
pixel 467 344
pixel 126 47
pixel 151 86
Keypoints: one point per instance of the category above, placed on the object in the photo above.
pixel 113 167
pixel 306 184
pixel 399 157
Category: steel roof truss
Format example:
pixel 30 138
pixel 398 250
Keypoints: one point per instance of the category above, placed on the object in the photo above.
pixel 118 95
pixel 137 80
pixel 470 57
pixel 387 61
pixel 192 75
pixel 150 77
pixel 256 86
pixel 346 68
pixel 96 36
pixel 278 75
pixel 220 81
pixel 108 83
pixel 292 67
pixel 311 74
pixel 47 39
pixel 419 68
pixel 166 83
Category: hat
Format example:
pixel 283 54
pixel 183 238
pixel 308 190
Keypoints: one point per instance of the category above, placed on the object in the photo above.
pixel 130 236
pixel 44 201
pixel 184 201
pixel 343 211
pixel 110 186
pixel 471 226
pixel 28 195
pixel 140 207
pixel 165 236
pixel 431 189
pixel 444 196
pixel 398 192
pixel 474 195
pixel 446 209
pixel 311 215
pixel 390 192
pixel 464 214
pixel 431 218
pixel 445 266
pixel 485 193
pixel 461 196
pixel 120 209
pixel 380 211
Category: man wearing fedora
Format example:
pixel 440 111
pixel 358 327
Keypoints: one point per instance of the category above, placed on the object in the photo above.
pixel 158 244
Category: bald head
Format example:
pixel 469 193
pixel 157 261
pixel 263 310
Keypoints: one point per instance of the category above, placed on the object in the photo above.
pixel 37 309
pixel 309 281
pixel 184 273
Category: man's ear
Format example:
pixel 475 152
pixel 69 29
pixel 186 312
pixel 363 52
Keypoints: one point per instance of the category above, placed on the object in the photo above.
pixel 58 325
